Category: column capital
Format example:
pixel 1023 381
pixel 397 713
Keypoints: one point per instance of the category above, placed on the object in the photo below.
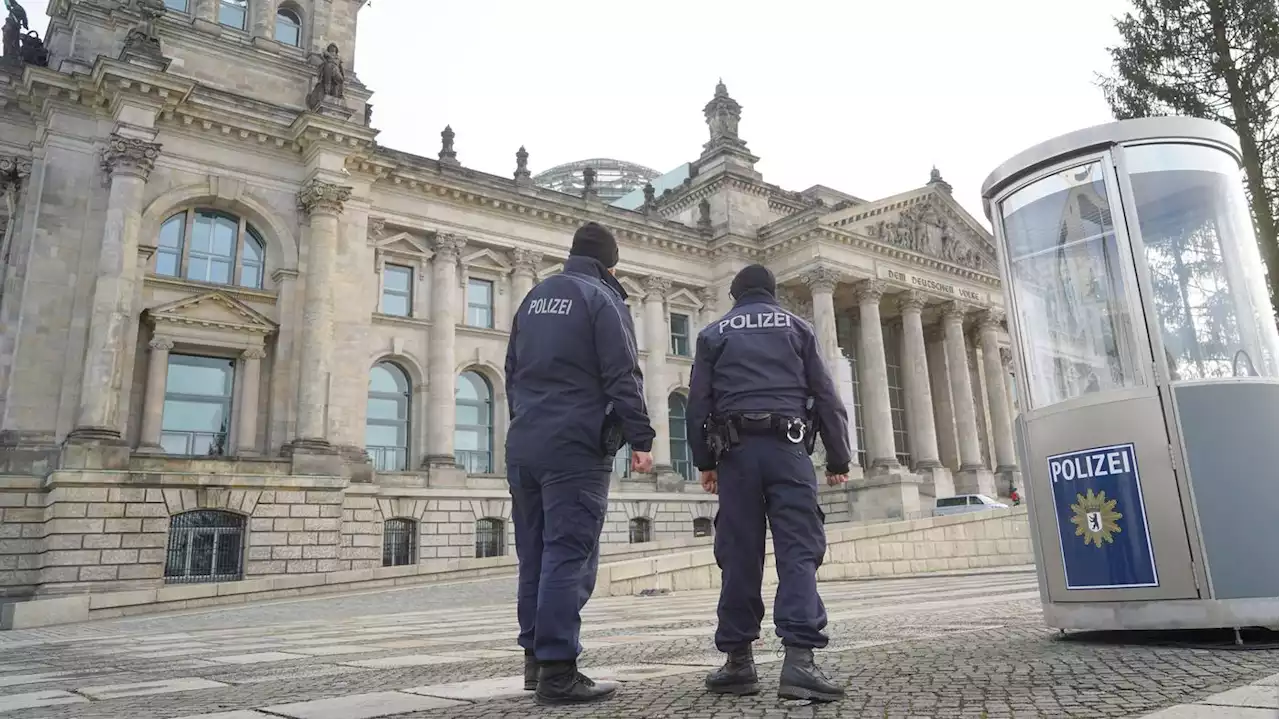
pixel 129 156
pixel 869 291
pixel 254 353
pixel 164 344
pixel 911 301
pixel 526 260
pixel 656 288
pixel 955 311
pixel 991 319
pixel 821 278
pixel 709 298
pixel 13 170
pixel 448 246
pixel 318 197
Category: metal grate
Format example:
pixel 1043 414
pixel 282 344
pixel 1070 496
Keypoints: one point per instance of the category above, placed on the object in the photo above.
pixel 398 542
pixel 641 530
pixel 702 527
pixel 491 537
pixel 205 546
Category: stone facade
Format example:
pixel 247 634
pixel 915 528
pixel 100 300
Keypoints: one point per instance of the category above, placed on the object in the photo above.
pixel 218 287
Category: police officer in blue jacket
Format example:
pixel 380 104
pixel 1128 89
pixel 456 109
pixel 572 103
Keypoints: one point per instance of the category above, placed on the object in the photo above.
pixel 575 393
pixel 758 391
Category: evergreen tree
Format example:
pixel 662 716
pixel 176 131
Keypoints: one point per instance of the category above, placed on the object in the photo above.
pixel 1214 59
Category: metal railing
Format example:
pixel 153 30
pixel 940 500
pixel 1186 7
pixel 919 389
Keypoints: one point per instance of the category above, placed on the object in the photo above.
pixel 195 444
pixel 388 459
pixel 474 461
pixel 205 546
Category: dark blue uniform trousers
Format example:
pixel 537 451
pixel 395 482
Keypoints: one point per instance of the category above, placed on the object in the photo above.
pixel 766 476
pixel 558 516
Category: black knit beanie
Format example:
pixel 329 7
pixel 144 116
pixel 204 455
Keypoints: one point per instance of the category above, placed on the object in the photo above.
pixel 753 277
pixel 592 240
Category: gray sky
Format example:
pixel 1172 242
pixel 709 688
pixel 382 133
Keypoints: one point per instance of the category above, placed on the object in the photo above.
pixel 864 97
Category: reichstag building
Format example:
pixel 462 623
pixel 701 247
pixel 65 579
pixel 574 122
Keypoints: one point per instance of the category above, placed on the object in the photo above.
pixel 241 339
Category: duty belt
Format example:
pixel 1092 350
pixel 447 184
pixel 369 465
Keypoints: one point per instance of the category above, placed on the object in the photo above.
pixel 792 429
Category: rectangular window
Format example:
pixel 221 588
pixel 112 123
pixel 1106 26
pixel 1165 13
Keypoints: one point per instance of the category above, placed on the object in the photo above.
pixel 197 405
pixel 397 291
pixel 480 303
pixel 233 13
pixel 179 5
pixel 679 335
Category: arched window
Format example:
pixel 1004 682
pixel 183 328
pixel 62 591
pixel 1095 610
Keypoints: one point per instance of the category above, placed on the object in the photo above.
pixel 398 543
pixel 491 537
pixel 386 432
pixel 288 27
pixel 681 459
pixel 641 530
pixel 205 545
pixel 210 246
pixel 622 462
pixel 703 527
pixel 473 423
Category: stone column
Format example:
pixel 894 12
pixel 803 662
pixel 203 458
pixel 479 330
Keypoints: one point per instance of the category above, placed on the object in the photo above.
pixel 873 378
pixel 322 202
pixel 442 375
pixel 973 477
pixel 655 380
pixel 247 417
pixel 710 309
pixel 943 417
pixel 128 161
pixel 915 380
pixel 989 325
pixel 524 275
pixel 153 397
pixel 822 284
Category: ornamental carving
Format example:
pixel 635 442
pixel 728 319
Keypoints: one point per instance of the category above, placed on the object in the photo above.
pixel 377 225
pixel 448 246
pixel 710 299
pixel 525 260
pixel 322 197
pixel 129 156
pixel 793 303
pixel 1006 359
pixel 723 114
pixel 992 319
pixel 656 288
pixel 13 170
pixel 254 353
pixel 926 228
pixel 331 78
pixel 162 344
pixel 912 301
pixel 821 279
pixel 869 291
pixel 954 311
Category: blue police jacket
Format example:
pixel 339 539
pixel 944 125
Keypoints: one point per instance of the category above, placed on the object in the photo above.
pixel 761 358
pixel 571 354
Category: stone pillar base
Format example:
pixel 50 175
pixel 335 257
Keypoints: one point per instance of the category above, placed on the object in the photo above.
pixel 358 465
pixel 665 479
pixel 89 451
pixel 314 457
pixel 976 481
pixel 936 482
pixel 885 494
pixel 441 474
pixel 28 452
pixel 1008 478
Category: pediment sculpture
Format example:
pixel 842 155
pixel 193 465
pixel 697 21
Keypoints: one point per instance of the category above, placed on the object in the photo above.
pixel 925 228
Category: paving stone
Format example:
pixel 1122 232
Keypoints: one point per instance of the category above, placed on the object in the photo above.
pixel 333 650
pixel 228 715
pixel 477 690
pixel 140 689
pixel 1261 697
pixel 1204 711
pixel 14 702
pixel 409 660
pixel 256 658
pixel 360 706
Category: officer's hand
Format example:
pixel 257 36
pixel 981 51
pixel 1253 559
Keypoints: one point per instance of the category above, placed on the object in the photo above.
pixel 834 479
pixel 641 462
pixel 709 482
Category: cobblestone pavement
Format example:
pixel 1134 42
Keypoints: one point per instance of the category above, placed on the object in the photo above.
pixel 942 647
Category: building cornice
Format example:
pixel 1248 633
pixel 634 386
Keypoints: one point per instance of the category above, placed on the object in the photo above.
pixel 843 238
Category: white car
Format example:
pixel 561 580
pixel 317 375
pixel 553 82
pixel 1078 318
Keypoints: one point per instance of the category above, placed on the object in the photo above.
pixel 962 503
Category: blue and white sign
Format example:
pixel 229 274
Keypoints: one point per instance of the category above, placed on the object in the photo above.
pixel 1102 523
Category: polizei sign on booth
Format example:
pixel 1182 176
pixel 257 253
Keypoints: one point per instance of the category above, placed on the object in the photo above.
pixel 1102 523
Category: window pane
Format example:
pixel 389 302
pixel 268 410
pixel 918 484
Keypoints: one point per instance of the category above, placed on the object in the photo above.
pixel 382 408
pixel 470 440
pixel 288 29
pixel 393 304
pixel 1068 287
pixel 479 316
pixel 384 435
pixel 252 246
pixel 193 416
pixel 471 386
pixel 387 378
pixel 179 5
pixel 1200 248
pixel 224 237
pixel 232 12
pixel 680 325
pixel 395 277
pixel 200 231
pixel 220 271
pixel 251 276
pixel 171 231
pixel 479 292
pixel 167 263
pixel 469 414
pixel 207 376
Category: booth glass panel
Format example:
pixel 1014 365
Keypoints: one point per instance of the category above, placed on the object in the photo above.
pixel 1068 288
pixel 1207 287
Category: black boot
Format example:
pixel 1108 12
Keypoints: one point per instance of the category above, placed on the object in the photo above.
pixel 802 679
pixel 530 671
pixel 562 683
pixel 737 676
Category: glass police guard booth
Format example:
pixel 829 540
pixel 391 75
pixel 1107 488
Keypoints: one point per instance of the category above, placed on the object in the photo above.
pixel 1145 351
